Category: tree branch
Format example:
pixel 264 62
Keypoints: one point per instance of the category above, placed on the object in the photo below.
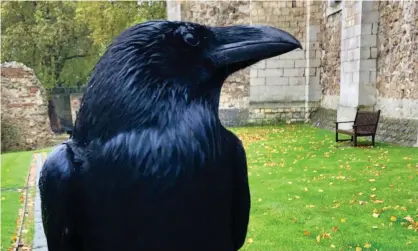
pixel 76 56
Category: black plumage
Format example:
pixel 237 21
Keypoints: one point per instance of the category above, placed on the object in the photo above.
pixel 149 166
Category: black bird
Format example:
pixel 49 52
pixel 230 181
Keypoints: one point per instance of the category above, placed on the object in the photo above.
pixel 149 165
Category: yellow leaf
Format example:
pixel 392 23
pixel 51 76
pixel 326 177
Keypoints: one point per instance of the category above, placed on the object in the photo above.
pixel 259 200
pixel 305 189
pixel 290 183
pixel 360 193
pixel 392 218
pixel 342 220
pixel 318 238
pixel 3 198
pixel 358 249
pixel 376 215
pixel 307 233
pixel 373 195
pixel 250 240
pixel 372 180
pixel 373 189
pixel 332 246
pixel 367 245
pixel 320 190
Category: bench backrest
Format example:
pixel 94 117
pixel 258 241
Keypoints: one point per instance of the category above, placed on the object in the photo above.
pixel 371 119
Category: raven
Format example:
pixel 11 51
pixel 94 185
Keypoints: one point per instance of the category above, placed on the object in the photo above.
pixel 149 165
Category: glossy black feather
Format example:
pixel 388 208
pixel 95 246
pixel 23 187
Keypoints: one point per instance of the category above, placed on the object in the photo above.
pixel 149 165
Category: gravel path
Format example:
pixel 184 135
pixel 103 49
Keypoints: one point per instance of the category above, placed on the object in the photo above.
pixel 39 240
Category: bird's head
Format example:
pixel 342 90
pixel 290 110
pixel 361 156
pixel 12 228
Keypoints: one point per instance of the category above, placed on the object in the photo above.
pixel 194 56
pixel 153 69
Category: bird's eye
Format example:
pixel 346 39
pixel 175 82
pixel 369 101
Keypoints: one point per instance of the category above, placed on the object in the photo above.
pixel 191 40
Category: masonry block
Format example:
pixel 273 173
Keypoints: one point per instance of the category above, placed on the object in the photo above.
pixel 270 73
pixel 297 80
pixel 281 93
pixel 253 73
pixel 316 62
pixel 280 63
pixel 371 17
pixel 257 81
pixel 277 81
pixel 296 72
pixel 364 53
pixel 296 54
pixel 354 43
pixel 366 29
pixel 368 40
pixel 368 64
pixel 373 52
pixel 300 63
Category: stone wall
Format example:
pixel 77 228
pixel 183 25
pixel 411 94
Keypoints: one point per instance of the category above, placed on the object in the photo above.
pixel 397 63
pixel 234 101
pixel 277 85
pixel 330 39
pixel 24 109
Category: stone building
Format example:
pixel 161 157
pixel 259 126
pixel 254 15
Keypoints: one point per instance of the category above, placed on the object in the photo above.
pixel 356 54
pixel 24 109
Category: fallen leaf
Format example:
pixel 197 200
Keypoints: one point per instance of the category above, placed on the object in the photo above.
pixel 259 200
pixel 320 190
pixel 332 246
pixel 305 189
pixel 376 215
pixel 335 229
pixel 318 238
pixel 290 183
pixel 307 233
pixel 392 218
pixel 250 240
pixel 367 245
pixel 310 206
pixel 325 235
pixel 360 193
pixel 373 195
pixel 358 249
pixel 373 189
pixel 342 220
pixel 372 180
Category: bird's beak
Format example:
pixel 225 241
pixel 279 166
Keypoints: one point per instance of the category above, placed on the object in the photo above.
pixel 241 46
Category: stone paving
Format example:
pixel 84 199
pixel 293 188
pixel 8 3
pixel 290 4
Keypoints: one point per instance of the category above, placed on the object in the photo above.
pixel 39 240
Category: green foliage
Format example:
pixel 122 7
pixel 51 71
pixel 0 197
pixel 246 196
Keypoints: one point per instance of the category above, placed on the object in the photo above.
pixel 62 40
pixel 10 136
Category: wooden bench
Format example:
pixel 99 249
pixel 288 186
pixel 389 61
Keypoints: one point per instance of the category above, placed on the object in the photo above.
pixel 364 125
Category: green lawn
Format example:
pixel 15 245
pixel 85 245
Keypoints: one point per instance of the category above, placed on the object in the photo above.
pixel 308 194
pixel 14 171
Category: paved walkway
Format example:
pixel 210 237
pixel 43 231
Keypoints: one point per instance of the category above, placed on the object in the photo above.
pixel 39 240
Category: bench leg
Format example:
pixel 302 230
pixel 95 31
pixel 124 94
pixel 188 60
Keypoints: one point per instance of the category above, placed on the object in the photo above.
pixel 373 137
pixel 355 140
pixel 336 136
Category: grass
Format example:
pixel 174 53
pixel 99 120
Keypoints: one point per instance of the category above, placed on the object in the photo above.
pixel 308 194
pixel 14 171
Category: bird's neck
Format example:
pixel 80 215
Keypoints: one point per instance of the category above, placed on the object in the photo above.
pixel 102 119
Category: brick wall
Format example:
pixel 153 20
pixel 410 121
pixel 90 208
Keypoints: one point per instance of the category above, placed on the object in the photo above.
pixel 24 109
